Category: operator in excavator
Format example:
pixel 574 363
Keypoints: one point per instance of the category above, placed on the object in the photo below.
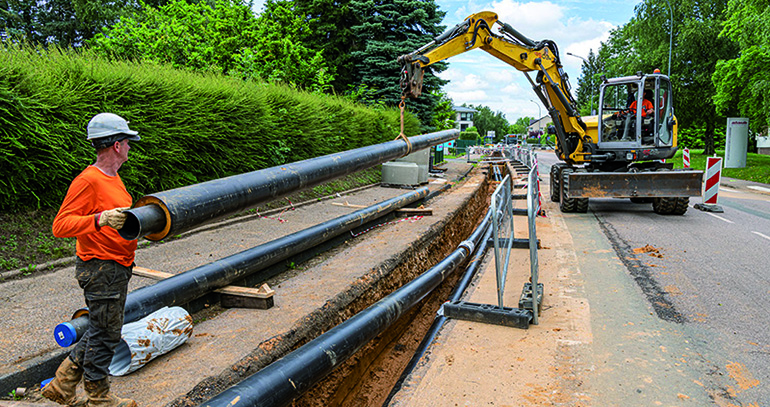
pixel 647 106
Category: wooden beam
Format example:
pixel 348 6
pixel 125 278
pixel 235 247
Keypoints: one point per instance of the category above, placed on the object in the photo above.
pixel 231 296
pixel 349 205
pixel 415 211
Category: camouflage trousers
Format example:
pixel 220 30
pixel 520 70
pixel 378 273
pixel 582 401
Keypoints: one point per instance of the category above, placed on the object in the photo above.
pixel 105 286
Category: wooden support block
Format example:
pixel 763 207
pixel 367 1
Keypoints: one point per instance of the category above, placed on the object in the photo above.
pixel 415 211
pixel 231 296
pixel 244 297
pixel 349 205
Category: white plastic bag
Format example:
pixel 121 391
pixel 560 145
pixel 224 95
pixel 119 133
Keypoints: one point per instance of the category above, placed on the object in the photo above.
pixel 150 337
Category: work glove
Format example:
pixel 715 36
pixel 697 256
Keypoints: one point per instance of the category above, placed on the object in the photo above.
pixel 114 218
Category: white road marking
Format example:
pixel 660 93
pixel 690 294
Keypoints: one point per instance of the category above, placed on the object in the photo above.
pixel 763 189
pixel 760 234
pixel 720 218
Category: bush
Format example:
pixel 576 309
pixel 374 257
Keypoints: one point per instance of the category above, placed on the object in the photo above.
pixel 194 127
pixel 693 138
pixel 469 135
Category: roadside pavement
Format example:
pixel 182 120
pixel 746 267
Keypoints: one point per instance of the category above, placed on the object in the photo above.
pixel 224 337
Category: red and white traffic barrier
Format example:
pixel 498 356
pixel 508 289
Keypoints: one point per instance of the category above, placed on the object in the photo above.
pixel 686 158
pixel 713 177
pixel 711 186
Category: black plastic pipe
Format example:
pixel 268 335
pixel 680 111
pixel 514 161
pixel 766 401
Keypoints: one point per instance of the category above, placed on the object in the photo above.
pixel 455 296
pixel 178 210
pixel 284 380
pixel 185 287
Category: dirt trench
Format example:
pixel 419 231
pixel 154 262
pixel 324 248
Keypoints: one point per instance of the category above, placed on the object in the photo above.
pixel 367 377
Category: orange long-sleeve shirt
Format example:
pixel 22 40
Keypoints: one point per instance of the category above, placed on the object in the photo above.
pixel 92 192
pixel 646 105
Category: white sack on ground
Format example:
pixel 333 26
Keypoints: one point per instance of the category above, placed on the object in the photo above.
pixel 150 337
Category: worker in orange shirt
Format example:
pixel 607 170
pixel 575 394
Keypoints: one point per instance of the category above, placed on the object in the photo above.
pixel 647 106
pixel 92 212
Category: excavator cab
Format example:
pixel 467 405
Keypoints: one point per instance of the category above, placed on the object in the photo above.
pixel 623 127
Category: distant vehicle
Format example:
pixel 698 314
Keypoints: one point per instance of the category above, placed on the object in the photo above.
pixel 512 139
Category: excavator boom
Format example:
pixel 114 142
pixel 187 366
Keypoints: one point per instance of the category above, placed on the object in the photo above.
pixel 551 83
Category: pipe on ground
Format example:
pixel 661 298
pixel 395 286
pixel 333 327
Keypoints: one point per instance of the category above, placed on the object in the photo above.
pixel 456 295
pixel 178 210
pixel 185 287
pixel 289 377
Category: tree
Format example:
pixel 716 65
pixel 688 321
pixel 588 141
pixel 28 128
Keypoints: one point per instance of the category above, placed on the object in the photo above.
pixel 743 83
pixel 444 115
pixel 279 53
pixel 486 120
pixel 588 84
pixel 521 125
pixel 225 37
pixel 641 45
pixel 331 22
pixel 61 22
pixel 388 29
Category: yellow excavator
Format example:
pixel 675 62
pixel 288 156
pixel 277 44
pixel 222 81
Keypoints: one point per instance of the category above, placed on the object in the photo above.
pixel 620 153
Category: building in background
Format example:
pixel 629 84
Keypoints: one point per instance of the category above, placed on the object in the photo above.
pixel 763 143
pixel 538 127
pixel 464 118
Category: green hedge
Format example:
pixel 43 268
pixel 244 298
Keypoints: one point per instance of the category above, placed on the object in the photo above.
pixel 193 127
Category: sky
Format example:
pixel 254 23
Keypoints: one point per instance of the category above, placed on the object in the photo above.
pixel 577 26
pixel 477 78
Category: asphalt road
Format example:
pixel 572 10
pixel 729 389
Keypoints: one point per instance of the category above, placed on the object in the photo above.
pixel 704 281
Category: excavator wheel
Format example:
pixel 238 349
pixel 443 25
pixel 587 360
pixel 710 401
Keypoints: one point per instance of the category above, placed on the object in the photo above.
pixel 670 206
pixel 567 204
pixel 555 177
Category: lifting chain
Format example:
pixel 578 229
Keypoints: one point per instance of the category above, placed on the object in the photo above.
pixel 401 135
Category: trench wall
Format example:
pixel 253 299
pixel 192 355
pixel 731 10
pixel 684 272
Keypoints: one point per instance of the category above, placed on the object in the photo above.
pixel 432 246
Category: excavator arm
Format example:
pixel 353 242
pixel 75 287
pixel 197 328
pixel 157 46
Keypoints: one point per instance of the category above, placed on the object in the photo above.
pixel 550 84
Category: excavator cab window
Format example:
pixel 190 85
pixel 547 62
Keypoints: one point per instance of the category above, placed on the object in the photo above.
pixel 664 113
pixel 637 112
pixel 618 123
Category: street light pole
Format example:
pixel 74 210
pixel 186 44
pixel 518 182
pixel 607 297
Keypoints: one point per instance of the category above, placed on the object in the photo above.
pixel 539 116
pixel 670 35
pixel 591 83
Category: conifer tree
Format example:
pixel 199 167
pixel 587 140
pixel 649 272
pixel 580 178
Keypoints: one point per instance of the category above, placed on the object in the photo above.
pixel 390 28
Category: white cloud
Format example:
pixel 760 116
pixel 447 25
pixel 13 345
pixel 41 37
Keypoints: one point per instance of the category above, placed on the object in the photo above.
pixel 475 97
pixel 573 27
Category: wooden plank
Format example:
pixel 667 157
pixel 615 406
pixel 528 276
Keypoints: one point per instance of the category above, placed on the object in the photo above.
pixel 239 301
pixel 262 292
pixel 350 205
pixel 415 211
pixel 149 273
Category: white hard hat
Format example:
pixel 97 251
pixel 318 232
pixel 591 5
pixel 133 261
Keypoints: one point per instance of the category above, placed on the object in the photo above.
pixel 108 124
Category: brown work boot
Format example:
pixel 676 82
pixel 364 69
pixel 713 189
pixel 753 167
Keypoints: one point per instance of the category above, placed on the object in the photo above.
pixel 99 395
pixel 62 388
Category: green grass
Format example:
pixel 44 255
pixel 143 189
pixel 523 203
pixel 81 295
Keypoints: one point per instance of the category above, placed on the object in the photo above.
pixel 26 240
pixel 757 166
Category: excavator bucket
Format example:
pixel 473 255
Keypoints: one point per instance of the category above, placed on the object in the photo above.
pixel 645 184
